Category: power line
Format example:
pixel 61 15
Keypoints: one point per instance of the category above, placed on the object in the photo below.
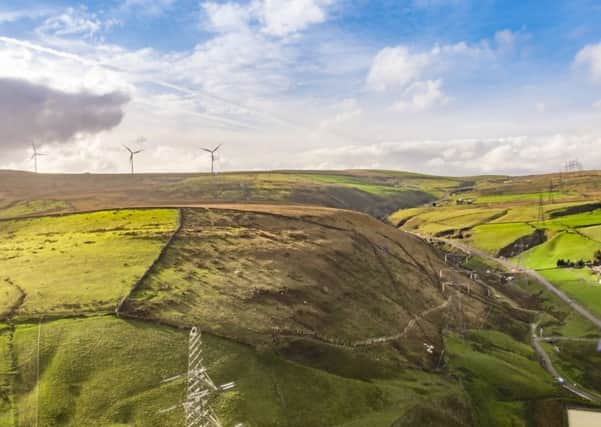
pixel 37 394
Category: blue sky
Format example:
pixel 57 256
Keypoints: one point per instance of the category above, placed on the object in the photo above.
pixel 439 86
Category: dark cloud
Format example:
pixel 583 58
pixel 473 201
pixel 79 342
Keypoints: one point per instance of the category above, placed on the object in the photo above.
pixel 36 113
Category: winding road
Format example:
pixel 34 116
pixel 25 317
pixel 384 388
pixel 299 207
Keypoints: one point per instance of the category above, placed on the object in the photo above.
pixel 544 358
pixel 533 274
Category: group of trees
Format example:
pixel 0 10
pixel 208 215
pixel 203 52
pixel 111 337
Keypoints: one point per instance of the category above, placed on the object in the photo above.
pixel 566 263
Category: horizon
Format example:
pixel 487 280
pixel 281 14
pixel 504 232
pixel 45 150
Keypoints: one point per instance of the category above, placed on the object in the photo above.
pixel 299 171
pixel 439 87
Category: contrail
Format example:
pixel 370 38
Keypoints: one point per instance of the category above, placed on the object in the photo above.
pixel 89 62
pixel 183 90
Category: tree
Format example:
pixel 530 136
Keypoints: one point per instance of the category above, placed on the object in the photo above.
pixel 597 257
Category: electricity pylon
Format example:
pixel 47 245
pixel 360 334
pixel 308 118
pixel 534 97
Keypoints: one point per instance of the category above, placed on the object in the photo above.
pixel 541 209
pixel 200 387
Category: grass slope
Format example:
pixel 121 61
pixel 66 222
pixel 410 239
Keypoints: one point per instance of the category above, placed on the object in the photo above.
pixel 106 372
pixel 565 245
pixel 494 237
pixel 78 263
pixel 376 192
pixel 33 207
pixel 501 376
pixel 239 273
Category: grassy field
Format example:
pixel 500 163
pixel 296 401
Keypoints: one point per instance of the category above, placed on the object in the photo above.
pixel 565 245
pixel 378 193
pixel 525 197
pixel 105 371
pixel 78 263
pixel 593 233
pixel 6 371
pixel 493 237
pixel 570 235
pixel 450 218
pixel 328 279
pixel 501 376
pixel 581 285
pixel 33 207
pixel 579 362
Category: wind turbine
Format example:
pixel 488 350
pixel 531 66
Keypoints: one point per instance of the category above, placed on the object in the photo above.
pixel 34 157
pixel 131 157
pixel 212 156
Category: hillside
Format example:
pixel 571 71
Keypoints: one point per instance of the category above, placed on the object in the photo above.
pixel 375 192
pixel 534 220
pixel 322 316
pixel 283 292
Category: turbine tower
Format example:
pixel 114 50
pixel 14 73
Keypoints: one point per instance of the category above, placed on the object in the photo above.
pixel 131 157
pixel 34 157
pixel 213 151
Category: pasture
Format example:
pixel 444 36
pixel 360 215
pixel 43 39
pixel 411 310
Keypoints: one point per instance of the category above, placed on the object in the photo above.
pixel 108 371
pixel 79 263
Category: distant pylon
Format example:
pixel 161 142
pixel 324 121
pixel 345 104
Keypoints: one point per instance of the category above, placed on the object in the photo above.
pixel 541 209
pixel 551 190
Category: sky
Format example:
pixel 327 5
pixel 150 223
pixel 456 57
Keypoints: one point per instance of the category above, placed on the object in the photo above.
pixel 450 87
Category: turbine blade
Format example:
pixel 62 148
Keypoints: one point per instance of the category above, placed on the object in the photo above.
pixel 207 150
pixel 139 151
pixel 127 148
pixel 216 148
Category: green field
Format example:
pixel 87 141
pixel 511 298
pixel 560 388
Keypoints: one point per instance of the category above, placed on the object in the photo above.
pixel 33 207
pixel 329 280
pixel 501 376
pixel 106 371
pixel 565 245
pixel 525 197
pixel 577 220
pixel 78 263
pixel 593 233
pixel 493 237
pixel 441 219
pixel 578 361
pixel 581 285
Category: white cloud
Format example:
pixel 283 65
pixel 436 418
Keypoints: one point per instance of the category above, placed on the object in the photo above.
pixel 422 96
pixel 74 22
pixel 223 17
pixel 505 40
pixel 344 111
pixel 147 7
pixel 396 66
pixel 415 76
pixel 463 157
pixel 283 17
pixel 17 15
pixel 278 18
pixel 589 57
pixel 541 107
pixel 597 105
